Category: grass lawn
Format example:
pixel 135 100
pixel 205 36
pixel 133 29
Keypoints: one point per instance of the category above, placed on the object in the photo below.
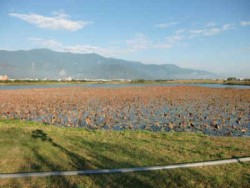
pixel 27 147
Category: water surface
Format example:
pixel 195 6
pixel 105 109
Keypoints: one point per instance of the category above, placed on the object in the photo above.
pixel 10 87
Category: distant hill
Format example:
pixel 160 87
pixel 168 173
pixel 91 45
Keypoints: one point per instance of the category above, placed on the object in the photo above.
pixel 45 63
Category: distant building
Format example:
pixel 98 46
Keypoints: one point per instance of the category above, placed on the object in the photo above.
pixel 5 77
pixel 69 79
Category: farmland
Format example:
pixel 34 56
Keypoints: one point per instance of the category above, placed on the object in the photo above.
pixel 154 108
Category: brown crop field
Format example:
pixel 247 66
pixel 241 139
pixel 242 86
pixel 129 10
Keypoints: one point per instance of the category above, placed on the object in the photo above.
pixel 156 108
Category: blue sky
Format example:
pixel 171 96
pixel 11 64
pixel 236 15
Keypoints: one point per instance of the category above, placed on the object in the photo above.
pixel 212 35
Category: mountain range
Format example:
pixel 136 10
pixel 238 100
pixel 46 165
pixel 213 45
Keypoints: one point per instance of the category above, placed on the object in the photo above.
pixel 45 63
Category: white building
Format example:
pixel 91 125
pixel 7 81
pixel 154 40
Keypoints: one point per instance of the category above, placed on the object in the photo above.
pixel 4 77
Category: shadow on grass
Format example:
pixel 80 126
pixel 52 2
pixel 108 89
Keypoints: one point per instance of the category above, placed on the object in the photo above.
pixel 39 134
pixel 173 178
pixel 163 178
pixel 79 162
pixel 41 161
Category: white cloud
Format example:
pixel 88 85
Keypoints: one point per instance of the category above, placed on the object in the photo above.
pixel 180 31
pixel 211 24
pixel 169 42
pixel 79 49
pixel 140 42
pixel 197 31
pixel 60 13
pixel 245 23
pixel 108 51
pixel 48 43
pixel 174 38
pixel 165 25
pixel 163 45
pixel 62 73
pixel 226 27
pixel 182 35
pixel 60 21
pixel 210 31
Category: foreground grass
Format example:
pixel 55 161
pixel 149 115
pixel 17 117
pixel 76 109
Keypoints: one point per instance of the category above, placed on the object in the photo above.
pixel 27 147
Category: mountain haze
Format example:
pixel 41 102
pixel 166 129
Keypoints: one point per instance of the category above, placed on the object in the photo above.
pixel 45 63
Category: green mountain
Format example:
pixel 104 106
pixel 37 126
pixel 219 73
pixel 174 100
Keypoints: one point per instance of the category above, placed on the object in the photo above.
pixel 45 63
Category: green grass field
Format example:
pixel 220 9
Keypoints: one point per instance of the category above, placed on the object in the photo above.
pixel 27 147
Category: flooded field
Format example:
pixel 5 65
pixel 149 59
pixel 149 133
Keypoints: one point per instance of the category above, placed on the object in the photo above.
pixel 214 111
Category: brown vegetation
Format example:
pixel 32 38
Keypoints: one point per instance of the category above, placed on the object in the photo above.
pixel 157 108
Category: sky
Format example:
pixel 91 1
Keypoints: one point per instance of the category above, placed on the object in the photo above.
pixel 212 35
